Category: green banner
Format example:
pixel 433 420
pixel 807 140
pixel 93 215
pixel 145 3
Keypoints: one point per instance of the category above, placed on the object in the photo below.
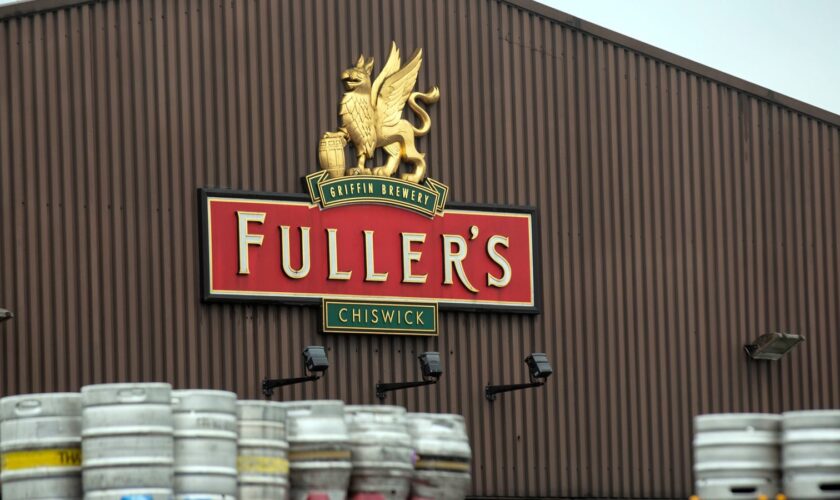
pixel 379 318
pixel 428 198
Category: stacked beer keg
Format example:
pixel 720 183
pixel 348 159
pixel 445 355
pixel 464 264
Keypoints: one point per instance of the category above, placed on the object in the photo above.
pixel 750 455
pixel 116 441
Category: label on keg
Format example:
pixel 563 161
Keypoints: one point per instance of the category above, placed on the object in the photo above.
pixel 30 459
pixel 442 463
pixel 301 456
pixel 251 464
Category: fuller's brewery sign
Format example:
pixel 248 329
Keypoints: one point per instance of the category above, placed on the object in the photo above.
pixel 378 249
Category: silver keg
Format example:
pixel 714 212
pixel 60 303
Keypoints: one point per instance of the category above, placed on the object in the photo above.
pixel 263 451
pixel 442 469
pixel 205 444
pixel 40 446
pixel 319 452
pixel 127 441
pixel 736 455
pixel 382 453
pixel 811 454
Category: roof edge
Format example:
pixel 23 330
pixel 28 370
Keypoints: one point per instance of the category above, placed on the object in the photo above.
pixel 666 57
pixel 25 8
pixel 763 93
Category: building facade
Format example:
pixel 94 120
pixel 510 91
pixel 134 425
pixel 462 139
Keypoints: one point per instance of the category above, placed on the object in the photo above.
pixel 680 214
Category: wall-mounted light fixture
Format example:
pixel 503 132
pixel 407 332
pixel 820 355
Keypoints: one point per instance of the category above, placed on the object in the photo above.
pixel 772 346
pixel 314 362
pixel 429 367
pixel 5 314
pixel 539 369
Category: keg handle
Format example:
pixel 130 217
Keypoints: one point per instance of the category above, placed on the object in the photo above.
pixel 133 395
pixel 28 407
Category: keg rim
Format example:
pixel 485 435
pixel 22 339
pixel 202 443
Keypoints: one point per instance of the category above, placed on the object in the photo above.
pixel 307 403
pixel 386 409
pixel 126 385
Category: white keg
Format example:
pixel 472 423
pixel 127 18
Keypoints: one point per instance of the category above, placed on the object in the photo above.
pixel 442 469
pixel 205 444
pixel 263 451
pixel 382 453
pixel 811 454
pixel 319 452
pixel 127 441
pixel 736 455
pixel 40 440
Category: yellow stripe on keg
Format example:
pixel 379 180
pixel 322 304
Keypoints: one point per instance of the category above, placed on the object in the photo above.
pixel 299 456
pixel 252 464
pixel 30 459
pixel 442 465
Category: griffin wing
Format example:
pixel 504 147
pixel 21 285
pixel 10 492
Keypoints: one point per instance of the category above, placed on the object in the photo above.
pixel 396 87
pixel 391 66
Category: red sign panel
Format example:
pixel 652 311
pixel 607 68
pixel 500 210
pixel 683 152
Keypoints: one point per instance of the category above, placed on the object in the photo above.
pixel 284 248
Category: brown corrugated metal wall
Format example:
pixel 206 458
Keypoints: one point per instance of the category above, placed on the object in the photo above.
pixel 679 218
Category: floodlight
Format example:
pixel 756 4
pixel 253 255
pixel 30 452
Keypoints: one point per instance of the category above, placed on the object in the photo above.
pixel 539 369
pixel 538 365
pixel 429 367
pixel 314 361
pixel 772 346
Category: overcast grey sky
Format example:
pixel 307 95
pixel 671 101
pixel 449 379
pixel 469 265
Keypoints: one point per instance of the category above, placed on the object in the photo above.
pixel 789 46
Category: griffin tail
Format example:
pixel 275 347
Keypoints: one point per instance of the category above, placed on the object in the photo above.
pixel 429 97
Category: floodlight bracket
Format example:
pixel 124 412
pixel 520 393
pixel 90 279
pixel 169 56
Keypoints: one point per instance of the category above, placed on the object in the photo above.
pixel 381 389
pixel 491 391
pixel 269 384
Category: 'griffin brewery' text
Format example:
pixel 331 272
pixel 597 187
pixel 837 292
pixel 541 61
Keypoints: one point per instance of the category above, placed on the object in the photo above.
pixel 391 191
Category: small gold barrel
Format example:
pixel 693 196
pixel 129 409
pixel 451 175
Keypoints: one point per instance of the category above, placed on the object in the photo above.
pixel 331 154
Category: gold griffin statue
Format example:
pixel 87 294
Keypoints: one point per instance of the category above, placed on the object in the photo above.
pixel 371 117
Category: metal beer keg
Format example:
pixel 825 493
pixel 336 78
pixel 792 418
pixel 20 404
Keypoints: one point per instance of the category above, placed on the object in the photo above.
pixel 382 454
pixel 127 441
pixel 262 463
pixel 736 455
pixel 40 441
pixel 205 444
pixel 319 453
pixel 811 454
pixel 442 470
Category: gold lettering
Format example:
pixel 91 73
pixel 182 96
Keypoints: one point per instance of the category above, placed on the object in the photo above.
pixel 332 191
pixel 375 314
pixel 357 315
pixel 332 247
pixel 504 279
pixel 370 273
pixel 407 322
pixel 388 315
pixel 455 260
pixel 341 318
pixel 420 318
pixel 409 256
pixel 245 238
pixel 286 251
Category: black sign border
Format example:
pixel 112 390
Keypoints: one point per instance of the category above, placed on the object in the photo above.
pixel 210 298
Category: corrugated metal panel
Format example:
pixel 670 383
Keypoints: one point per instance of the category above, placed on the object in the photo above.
pixel 680 217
